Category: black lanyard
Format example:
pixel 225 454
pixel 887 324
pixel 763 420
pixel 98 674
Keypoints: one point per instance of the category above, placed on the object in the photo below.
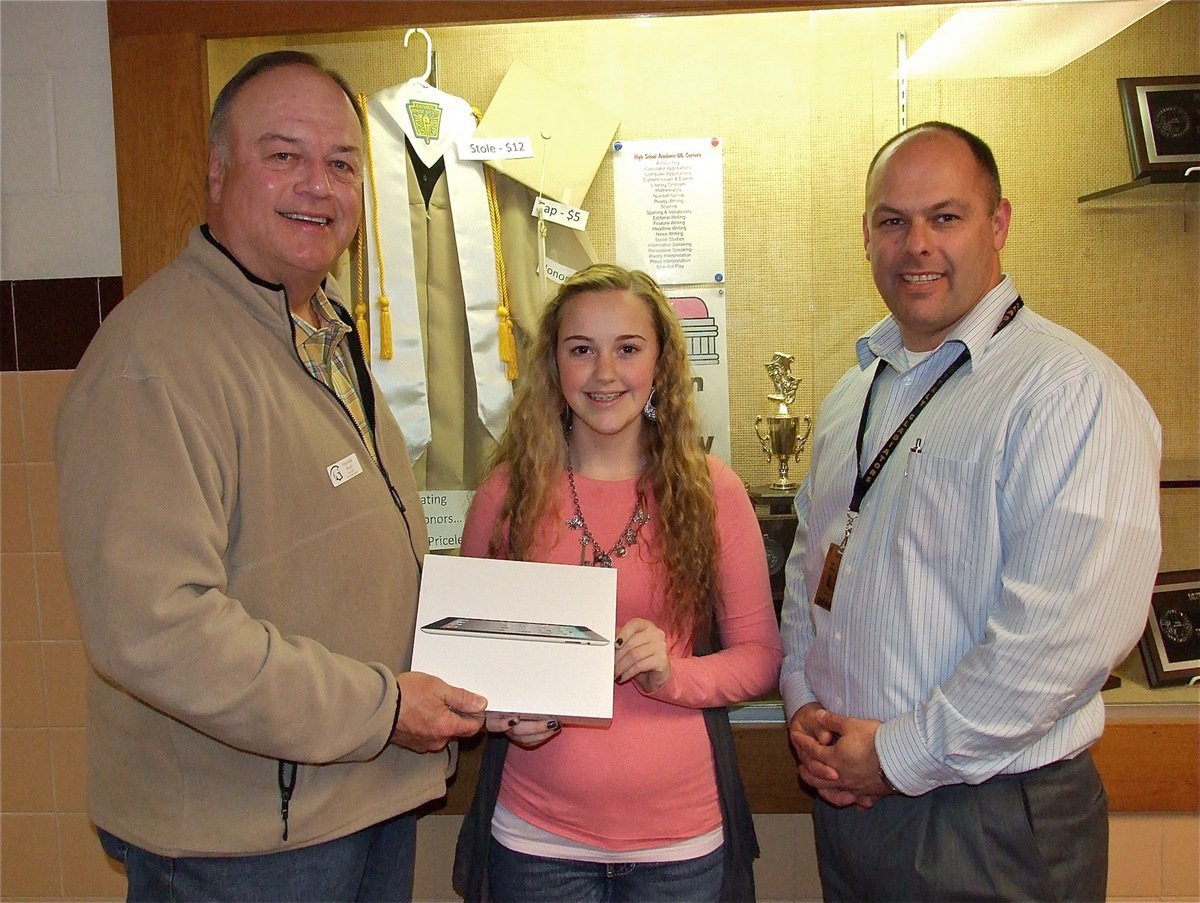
pixel 863 481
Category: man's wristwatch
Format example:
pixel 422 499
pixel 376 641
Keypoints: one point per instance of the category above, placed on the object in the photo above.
pixel 886 782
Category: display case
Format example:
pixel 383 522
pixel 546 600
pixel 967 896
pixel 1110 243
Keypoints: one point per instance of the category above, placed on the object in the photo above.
pixel 799 119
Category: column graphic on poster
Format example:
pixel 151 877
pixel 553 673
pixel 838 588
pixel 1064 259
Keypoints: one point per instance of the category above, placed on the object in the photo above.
pixel 669 204
pixel 701 313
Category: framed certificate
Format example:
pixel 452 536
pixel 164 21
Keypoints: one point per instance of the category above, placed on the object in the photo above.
pixel 1170 645
pixel 1162 123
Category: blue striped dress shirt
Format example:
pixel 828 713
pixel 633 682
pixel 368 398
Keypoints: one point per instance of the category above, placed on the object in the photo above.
pixel 996 575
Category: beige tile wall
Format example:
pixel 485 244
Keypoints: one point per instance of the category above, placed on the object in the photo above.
pixel 1154 857
pixel 48 848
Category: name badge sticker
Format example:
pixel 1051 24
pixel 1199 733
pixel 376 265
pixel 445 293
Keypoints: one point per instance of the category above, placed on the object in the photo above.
pixel 346 469
pixel 571 217
pixel 514 148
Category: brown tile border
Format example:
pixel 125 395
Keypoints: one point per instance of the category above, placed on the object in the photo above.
pixel 48 323
pixel 112 290
pixel 8 328
pixel 56 319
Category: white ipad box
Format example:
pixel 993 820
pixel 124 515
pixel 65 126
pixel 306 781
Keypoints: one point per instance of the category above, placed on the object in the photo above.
pixel 535 639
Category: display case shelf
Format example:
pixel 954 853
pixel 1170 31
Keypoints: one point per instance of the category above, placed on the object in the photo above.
pixel 1154 190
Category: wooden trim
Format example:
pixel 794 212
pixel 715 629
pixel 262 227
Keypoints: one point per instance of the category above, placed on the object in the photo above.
pixel 1150 767
pixel 160 117
pixel 221 19
pixel 769 770
pixel 1146 767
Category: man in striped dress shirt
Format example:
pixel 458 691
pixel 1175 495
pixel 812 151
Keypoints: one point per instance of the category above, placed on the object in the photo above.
pixel 978 537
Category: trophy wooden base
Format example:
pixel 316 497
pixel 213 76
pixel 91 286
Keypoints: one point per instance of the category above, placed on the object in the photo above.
pixel 777 522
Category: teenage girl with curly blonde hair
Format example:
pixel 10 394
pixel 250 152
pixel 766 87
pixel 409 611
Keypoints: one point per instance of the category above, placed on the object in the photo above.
pixel 601 465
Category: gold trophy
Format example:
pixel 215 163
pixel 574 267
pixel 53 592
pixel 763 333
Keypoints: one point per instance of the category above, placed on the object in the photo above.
pixel 784 440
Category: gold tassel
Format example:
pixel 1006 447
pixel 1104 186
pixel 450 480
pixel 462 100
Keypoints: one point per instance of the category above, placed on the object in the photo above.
pixel 385 328
pixel 364 331
pixel 508 343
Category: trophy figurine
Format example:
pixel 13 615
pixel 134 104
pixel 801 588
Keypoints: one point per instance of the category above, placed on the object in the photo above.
pixel 783 441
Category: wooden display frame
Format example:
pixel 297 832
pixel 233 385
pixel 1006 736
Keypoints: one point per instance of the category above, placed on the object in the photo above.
pixel 1170 645
pixel 1160 142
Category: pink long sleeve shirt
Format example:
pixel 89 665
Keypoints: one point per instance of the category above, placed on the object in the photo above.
pixel 647 779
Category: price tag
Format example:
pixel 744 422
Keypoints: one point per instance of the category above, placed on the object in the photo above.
pixel 557 272
pixel 554 212
pixel 346 469
pixel 494 148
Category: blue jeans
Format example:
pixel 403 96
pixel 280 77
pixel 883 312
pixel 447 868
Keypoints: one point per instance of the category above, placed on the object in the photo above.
pixel 375 863
pixel 518 877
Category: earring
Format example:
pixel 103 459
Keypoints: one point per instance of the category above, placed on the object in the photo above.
pixel 650 411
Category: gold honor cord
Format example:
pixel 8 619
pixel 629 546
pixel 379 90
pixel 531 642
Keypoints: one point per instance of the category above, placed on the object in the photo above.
pixel 385 313
pixel 508 340
pixel 360 293
pixel 504 326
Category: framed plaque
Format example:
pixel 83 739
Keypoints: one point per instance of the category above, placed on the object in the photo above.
pixel 1162 123
pixel 1170 645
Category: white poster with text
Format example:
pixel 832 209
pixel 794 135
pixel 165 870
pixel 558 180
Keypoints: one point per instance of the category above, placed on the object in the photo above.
pixel 445 514
pixel 669 200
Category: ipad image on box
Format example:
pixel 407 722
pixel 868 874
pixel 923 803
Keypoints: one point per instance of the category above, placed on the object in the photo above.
pixel 538 631
pixel 564 618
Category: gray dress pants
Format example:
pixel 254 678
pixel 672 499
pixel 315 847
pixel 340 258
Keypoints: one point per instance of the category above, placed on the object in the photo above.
pixel 1041 835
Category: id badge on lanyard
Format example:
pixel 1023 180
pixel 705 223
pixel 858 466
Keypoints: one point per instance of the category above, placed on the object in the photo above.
pixel 833 563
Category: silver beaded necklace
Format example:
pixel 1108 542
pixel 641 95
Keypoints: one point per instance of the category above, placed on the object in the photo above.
pixel 628 537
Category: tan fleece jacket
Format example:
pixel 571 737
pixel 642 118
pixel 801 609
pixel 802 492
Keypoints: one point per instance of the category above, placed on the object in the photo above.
pixel 238 607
